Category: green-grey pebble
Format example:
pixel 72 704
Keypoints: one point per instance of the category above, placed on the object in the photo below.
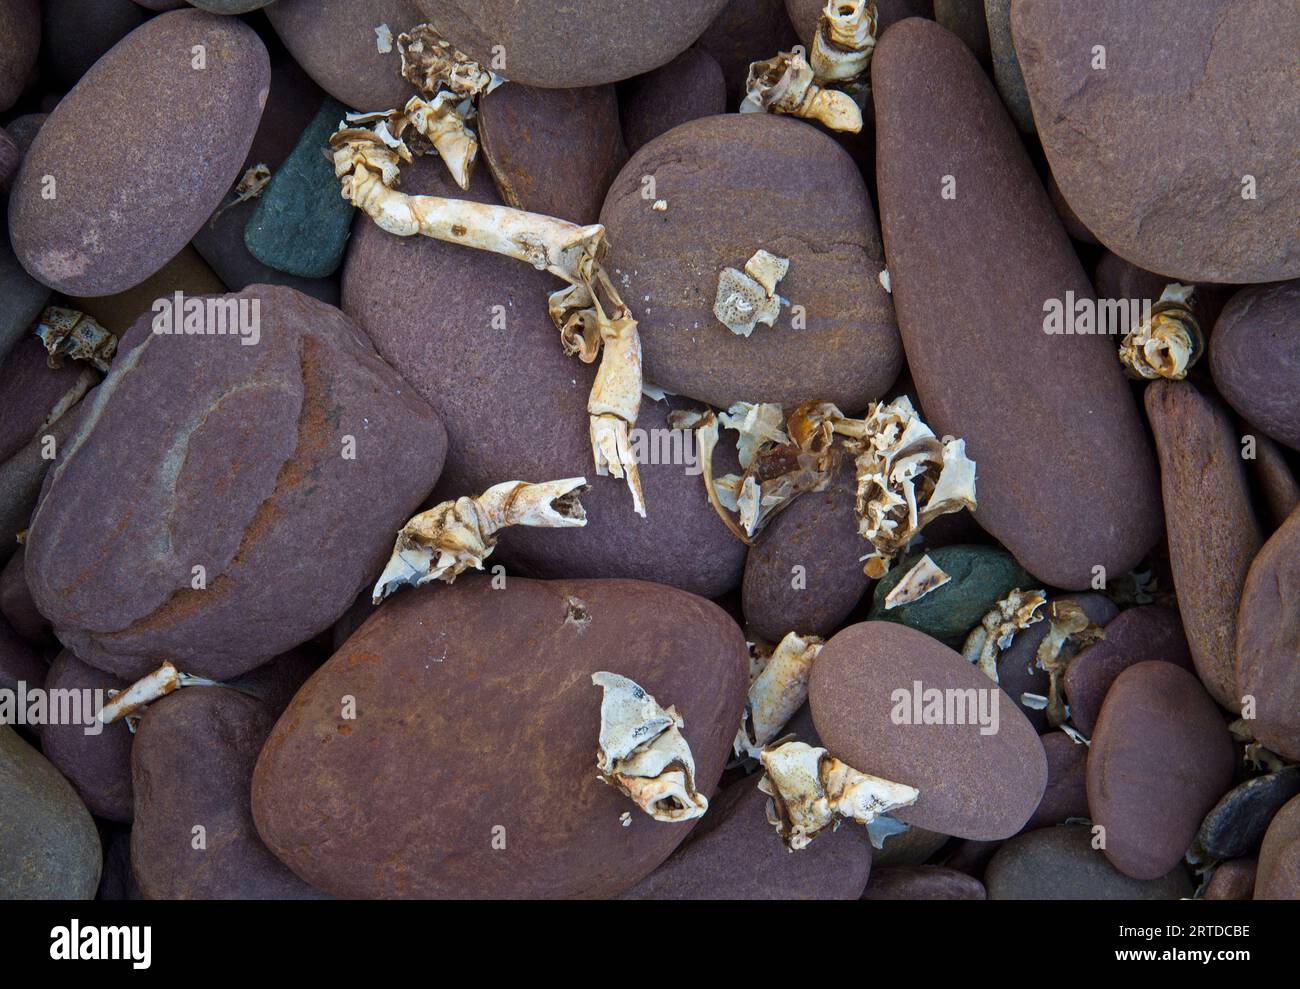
pixel 981 576
pixel 301 222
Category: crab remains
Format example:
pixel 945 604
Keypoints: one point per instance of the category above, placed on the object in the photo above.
pixel 1169 343
pixel 776 691
pixel 747 298
pixel 810 790
pixel 131 702
pixel 449 538
pixel 996 630
pixel 1070 629
pixel 643 752
pixel 69 333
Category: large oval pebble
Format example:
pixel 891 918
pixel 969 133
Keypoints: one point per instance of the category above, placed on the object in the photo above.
pixel 891 701
pixel 1268 641
pixel 975 254
pixel 922 882
pixel 1278 875
pixel 1236 825
pixel 281 470
pixel 1211 84
pixel 485 698
pixel 732 185
pixel 1160 758
pixel 1255 357
pixel 141 152
pixel 20 37
pixel 687 88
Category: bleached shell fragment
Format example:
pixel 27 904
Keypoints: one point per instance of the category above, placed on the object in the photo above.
pixel 431 63
pixel 442 123
pixel 67 333
pixel 779 690
pixel 643 753
pixel 747 298
pixel 757 424
pixel 844 41
pixel 924 577
pixel 384 39
pixel 998 628
pixel 450 538
pixel 1169 343
pixel 809 788
pixel 785 84
pixel 1069 630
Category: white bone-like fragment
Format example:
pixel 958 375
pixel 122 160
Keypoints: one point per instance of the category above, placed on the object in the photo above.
pixel 643 753
pixel 785 84
pixel 1169 343
pixel 135 698
pixel 384 39
pixel 777 692
pixel 442 122
pixel 431 63
pixel 452 537
pixel 67 333
pixel 997 629
pixel 809 789
pixel 757 424
pixel 882 827
pixel 1035 702
pixel 883 278
pixel 924 577
pixel 747 298
pixel 844 41
pixel 1076 736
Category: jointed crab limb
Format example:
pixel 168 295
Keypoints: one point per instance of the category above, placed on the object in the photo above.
pixel 452 537
pixel 785 84
pixel 776 692
pixel 996 630
pixel 1070 630
pixel 809 789
pixel 161 682
pixel 643 753
pixel 844 41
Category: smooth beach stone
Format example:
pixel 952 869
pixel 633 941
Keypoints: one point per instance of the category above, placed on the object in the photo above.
pixel 117 882
pixel 16 604
pixel 1066 795
pixel 1073 226
pixel 735 854
pixel 300 223
pixel 1044 415
pixel 31 392
pixel 20 38
pixel 965 18
pixel 49 848
pixel 247 462
pixel 191 764
pixel 229 6
pixel 1255 358
pixel 976 780
pixel 819 533
pixel 1160 758
pixel 1275 481
pixel 552 151
pixel 20 660
pixel 293 102
pixel 98 765
pixel 1147 632
pixel 23 129
pixel 1018 669
pixel 21 477
pixel 1061 864
pixel 1212 530
pixel 485 697
pixel 1222 102
pixel 971 857
pixel 1007 74
pixel 516 407
pixel 1236 825
pixel 1233 880
pixel 1268 641
pixel 922 882
pixel 22 297
pixel 687 88
pixel 142 151
pixel 746 31
pixel 804 14
pixel 981 577
pixel 1278 874
pixel 10 158
pixel 187 273
pixel 580 43
pixel 735 184
pixel 77 32
pixel 336 42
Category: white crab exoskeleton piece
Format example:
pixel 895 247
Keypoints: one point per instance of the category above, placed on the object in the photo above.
pixel 1069 630
pixel 453 537
pixel 924 577
pixel 809 788
pixel 997 629
pixel 785 84
pixel 615 401
pixel 431 63
pixel 68 333
pixel 130 702
pixel 747 298
pixel 643 753
pixel 250 185
pixel 757 424
pixel 906 478
pixel 777 692
pixel 1167 344
pixel 442 122
pixel 843 41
